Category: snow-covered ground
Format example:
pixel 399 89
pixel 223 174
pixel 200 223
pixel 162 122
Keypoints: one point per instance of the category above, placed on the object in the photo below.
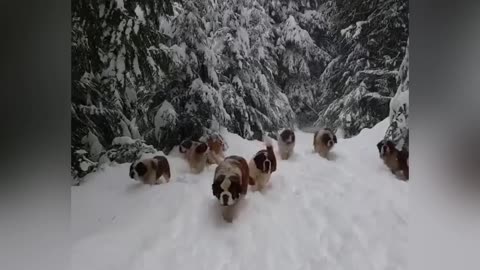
pixel 346 213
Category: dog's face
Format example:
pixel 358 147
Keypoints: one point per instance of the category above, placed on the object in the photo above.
pixel 386 148
pixel 137 170
pixel 263 162
pixel 227 188
pixel 287 136
pixel 329 139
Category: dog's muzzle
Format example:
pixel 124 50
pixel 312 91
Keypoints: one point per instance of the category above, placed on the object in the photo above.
pixel 225 199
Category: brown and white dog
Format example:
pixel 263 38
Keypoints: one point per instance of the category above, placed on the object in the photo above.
pixel 395 160
pixel 217 147
pixel 197 155
pixel 230 184
pixel 150 170
pixel 323 141
pixel 262 165
pixel 286 143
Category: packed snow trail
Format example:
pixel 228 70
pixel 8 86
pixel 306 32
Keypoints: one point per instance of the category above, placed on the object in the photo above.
pixel 346 213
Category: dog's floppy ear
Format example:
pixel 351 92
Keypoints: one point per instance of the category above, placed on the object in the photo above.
pixel 216 189
pixel 141 169
pixel 379 145
pixel 201 148
pixel 334 138
pixel 131 170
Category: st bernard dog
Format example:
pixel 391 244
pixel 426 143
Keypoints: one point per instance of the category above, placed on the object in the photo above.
pixel 150 170
pixel 286 143
pixel 323 141
pixel 395 160
pixel 217 147
pixel 230 184
pixel 262 165
pixel 197 155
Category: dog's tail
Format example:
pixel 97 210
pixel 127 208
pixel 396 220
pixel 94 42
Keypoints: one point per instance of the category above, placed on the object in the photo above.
pixel 268 141
pixel 271 154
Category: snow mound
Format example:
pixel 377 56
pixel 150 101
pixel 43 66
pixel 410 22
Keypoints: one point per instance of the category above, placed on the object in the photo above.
pixel 123 140
pixel 348 212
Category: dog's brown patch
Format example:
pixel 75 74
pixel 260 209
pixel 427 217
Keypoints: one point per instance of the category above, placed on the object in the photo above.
pixel 162 168
pixel 243 166
pixel 201 148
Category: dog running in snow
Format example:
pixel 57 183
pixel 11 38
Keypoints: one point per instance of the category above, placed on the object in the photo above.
pixel 217 147
pixel 262 165
pixel 150 170
pixel 395 160
pixel 197 155
pixel 230 184
pixel 323 141
pixel 286 143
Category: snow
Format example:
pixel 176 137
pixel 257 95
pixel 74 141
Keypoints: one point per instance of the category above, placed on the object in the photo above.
pixel 136 27
pixel 84 166
pixel 120 65
pixel 345 213
pixel 81 152
pixel 166 116
pixel 95 147
pixel 101 10
pixel 125 129
pixel 129 28
pixel 120 4
pixel 123 140
pixel 263 83
pixel 131 94
pixel 140 14
pixel 359 28
pixel 136 66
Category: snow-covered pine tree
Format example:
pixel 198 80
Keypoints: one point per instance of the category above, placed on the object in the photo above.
pixel 356 87
pixel 399 109
pixel 248 75
pixel 299 55
pixel 115 62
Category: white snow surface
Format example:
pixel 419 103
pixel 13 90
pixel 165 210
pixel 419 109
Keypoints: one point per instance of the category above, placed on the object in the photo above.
pixel 345 213
pixel 123 140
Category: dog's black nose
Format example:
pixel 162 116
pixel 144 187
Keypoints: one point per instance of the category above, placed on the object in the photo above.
pixel 225 199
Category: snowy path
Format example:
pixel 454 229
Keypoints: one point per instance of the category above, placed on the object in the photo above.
pixel 348 213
